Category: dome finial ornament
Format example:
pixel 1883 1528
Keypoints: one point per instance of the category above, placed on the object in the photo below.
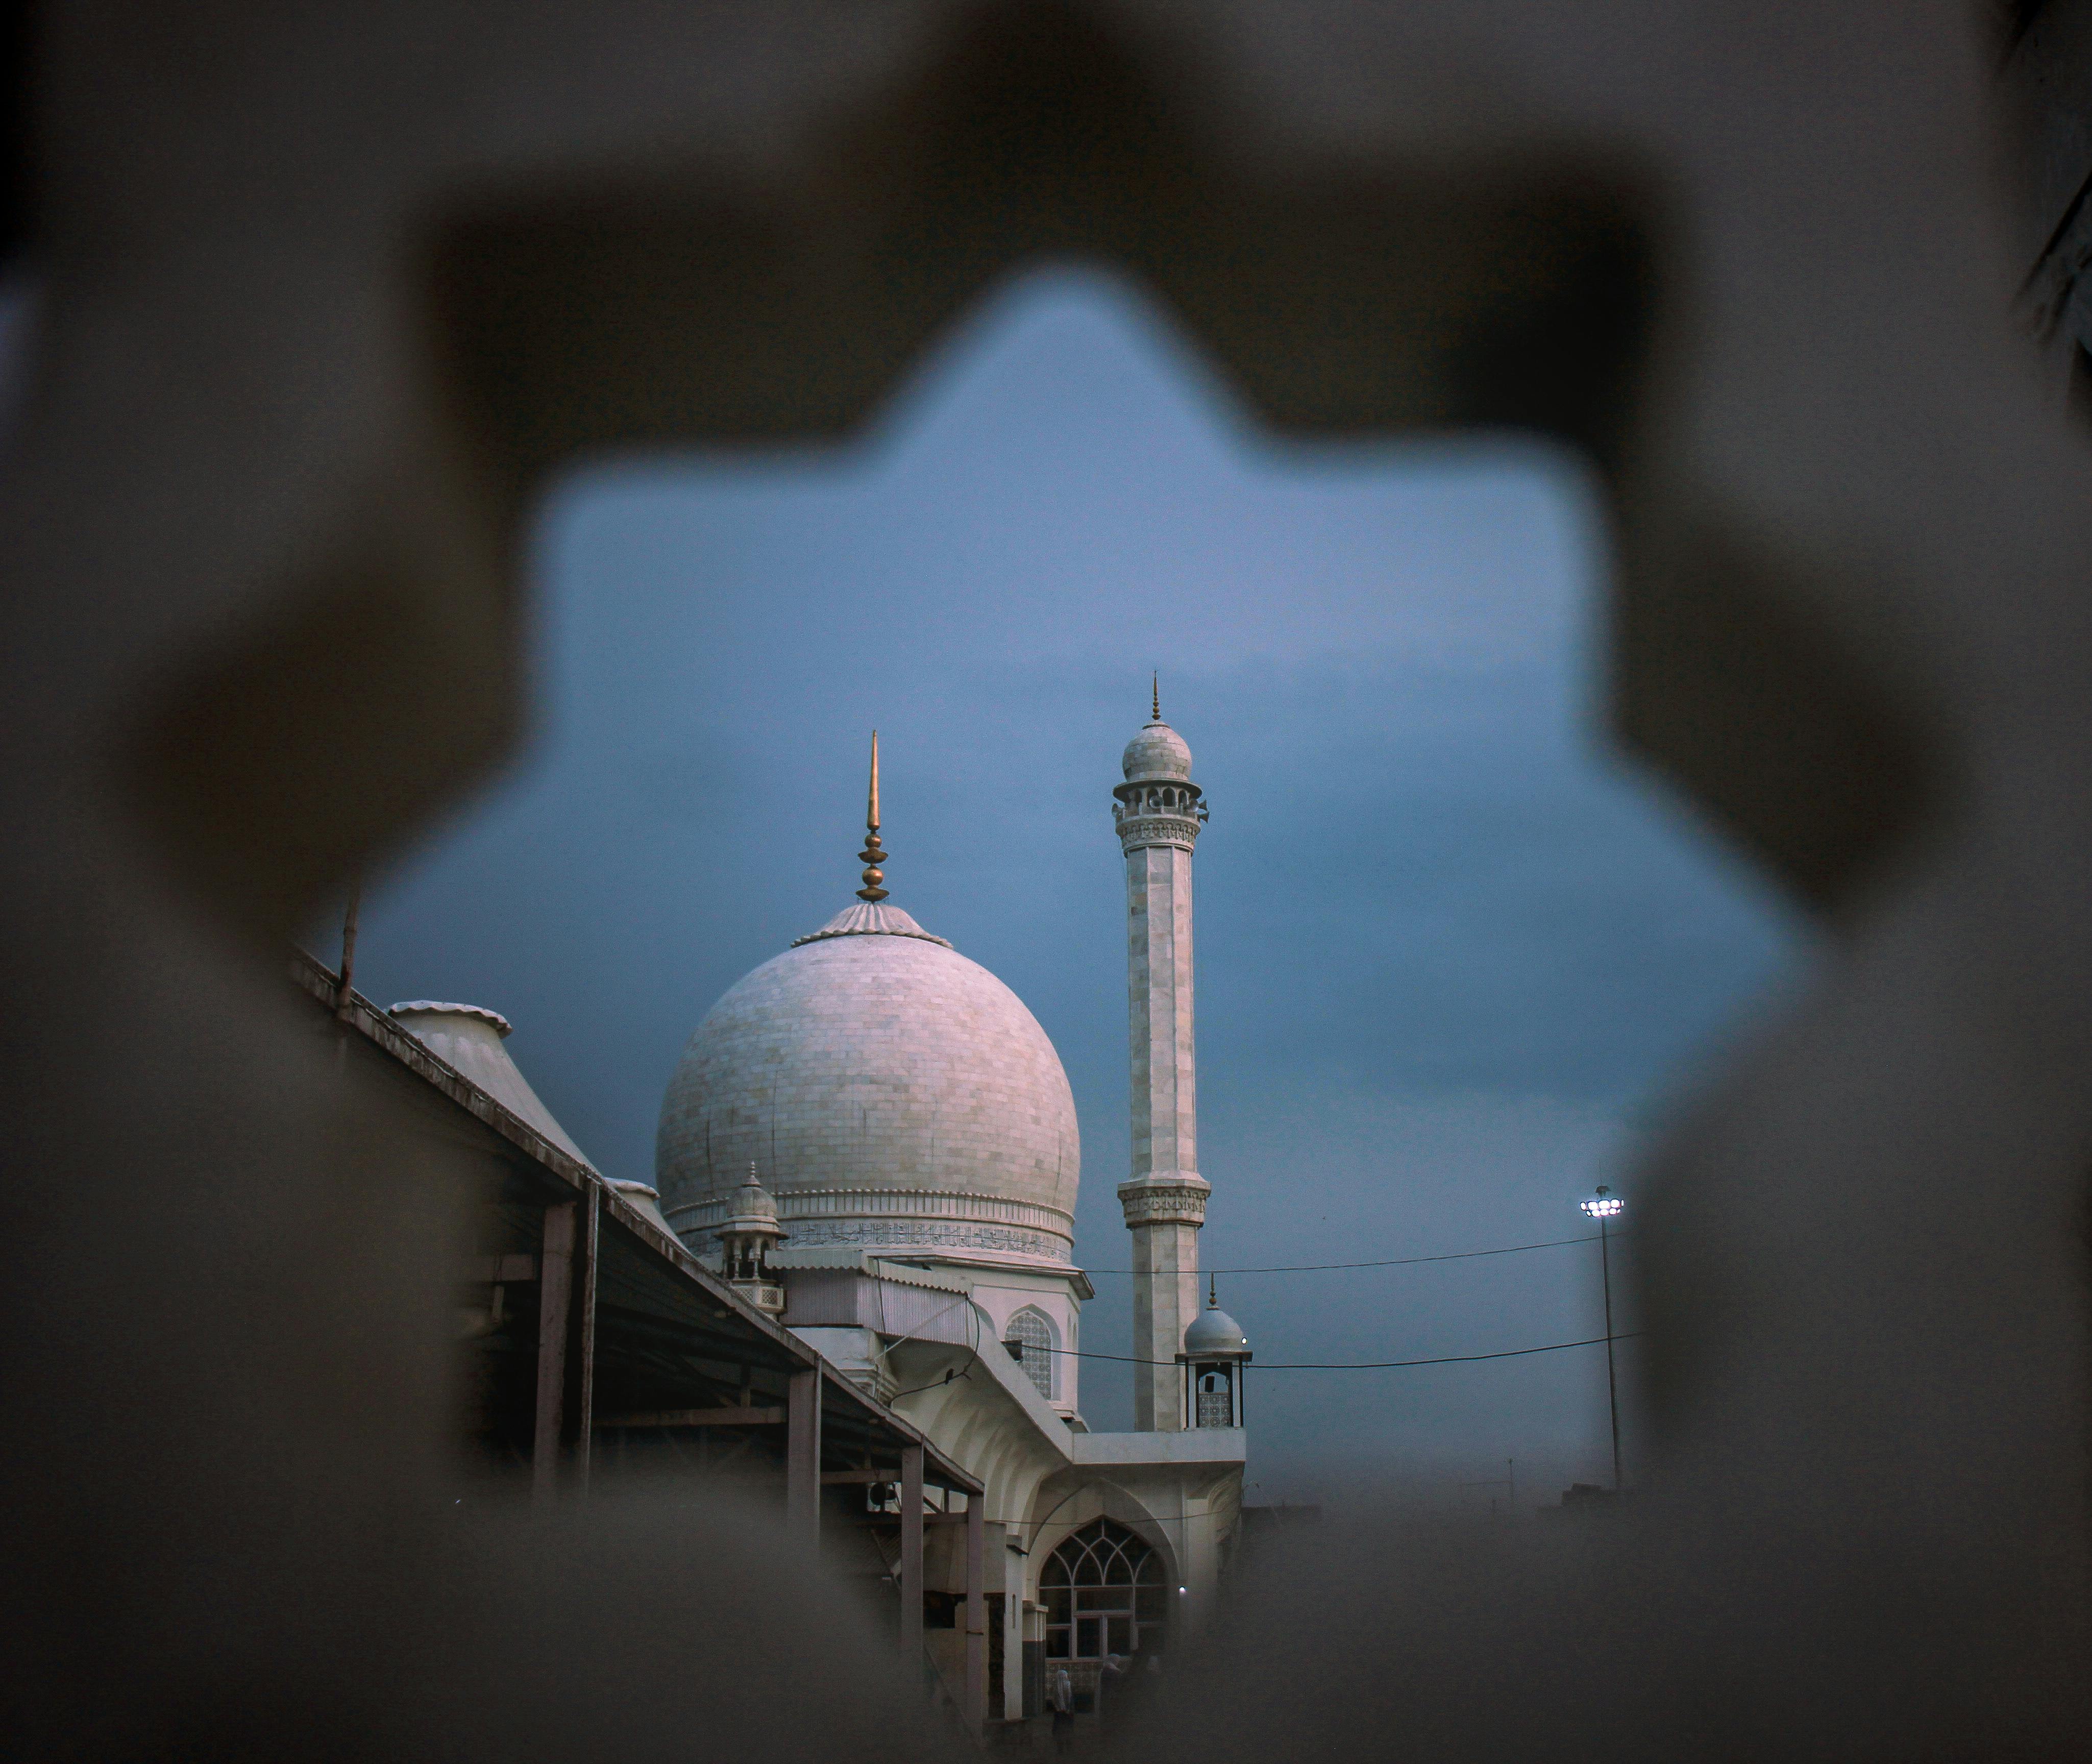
pixel 1156 703
pixel 872 856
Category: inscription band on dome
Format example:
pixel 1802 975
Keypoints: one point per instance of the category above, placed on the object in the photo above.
pixel 925 1235
pixel 801 1205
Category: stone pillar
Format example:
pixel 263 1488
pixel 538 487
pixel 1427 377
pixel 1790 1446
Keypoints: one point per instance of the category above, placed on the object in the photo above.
pixel 582 1375
pixel 555 1285
pixel 1159 811
pixel 1198 1556
pixel 802 1456
pixel 911 1565
pixel 1005 1698
pixel 976 1615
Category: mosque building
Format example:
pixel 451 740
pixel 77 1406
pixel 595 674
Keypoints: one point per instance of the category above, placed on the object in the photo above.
pixel 874 1141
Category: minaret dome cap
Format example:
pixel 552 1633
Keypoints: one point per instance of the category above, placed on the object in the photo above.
pixel 1157 754
pixel 1215 1336
pixel 751 1211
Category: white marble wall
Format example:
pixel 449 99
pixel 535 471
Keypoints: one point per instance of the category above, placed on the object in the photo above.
pixel 1165 1299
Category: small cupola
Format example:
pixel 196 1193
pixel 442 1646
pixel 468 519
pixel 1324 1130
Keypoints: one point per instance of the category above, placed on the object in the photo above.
pixel 747 1236
pixel 1215 1358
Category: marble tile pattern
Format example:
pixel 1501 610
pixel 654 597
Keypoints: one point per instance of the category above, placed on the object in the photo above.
pixel 889 1090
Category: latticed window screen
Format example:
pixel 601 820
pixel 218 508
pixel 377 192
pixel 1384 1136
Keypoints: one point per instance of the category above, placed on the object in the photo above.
pixel 1105 1592
pixel 1217 1400
pixel 1032 1330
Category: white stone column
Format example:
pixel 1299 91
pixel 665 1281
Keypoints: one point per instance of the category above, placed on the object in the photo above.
pixel 1160 810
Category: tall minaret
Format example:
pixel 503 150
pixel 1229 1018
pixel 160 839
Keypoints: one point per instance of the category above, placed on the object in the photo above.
pixel 1159 813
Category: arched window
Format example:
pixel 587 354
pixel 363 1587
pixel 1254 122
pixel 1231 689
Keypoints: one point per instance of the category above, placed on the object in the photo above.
pixel 1029 1337
pixel 1105 1592
pixel 1216 1406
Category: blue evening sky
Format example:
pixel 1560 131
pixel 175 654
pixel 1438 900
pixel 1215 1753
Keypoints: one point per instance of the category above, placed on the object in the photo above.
pixel 1453 954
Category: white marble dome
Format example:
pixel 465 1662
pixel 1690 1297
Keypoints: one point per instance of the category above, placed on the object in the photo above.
pixel 1156 753
pixel 1215 1335
pixel 891 1094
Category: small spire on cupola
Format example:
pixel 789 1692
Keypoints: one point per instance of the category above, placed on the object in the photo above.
pixel 872 857
pixel 1156 703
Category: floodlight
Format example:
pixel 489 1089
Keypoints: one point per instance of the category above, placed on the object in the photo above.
pixel 1604 1206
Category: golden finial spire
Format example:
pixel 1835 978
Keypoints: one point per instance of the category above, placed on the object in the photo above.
pixel 1157 701
pixel 872 857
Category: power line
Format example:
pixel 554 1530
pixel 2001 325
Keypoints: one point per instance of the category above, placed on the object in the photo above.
pixel 1398 1261
pixel 1365 1365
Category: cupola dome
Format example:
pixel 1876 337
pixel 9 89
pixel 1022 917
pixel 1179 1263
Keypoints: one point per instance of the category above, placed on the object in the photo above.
pixel 1215 1336
pixel 750 1209
pixel 1157 754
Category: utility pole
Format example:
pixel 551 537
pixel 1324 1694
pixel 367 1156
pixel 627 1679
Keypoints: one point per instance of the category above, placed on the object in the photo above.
pixel 1605 1206
pixel 1508 1482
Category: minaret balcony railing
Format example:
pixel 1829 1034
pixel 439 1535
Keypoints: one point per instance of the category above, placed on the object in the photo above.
pixel 1160 799
pixel 1181 1201
pixel 767 1296
pixel 1159 814
pixel 1136 832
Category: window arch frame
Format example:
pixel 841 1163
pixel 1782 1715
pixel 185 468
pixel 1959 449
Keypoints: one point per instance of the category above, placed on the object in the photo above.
pixel 1104 1587
pixel 1048 1362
